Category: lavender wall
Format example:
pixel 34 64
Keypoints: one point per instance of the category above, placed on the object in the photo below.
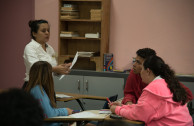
pixel 14 35
pixel 164 25
pixel 48 9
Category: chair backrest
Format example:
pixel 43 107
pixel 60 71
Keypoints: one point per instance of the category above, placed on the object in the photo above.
pixel 112 99
pixel 191 110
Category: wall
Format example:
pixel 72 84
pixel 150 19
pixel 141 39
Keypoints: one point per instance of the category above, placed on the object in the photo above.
pixel 15 34
pixel 164 25
pixel 48 10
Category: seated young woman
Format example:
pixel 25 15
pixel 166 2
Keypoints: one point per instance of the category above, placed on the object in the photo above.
pixel 163 101
pixel 41 86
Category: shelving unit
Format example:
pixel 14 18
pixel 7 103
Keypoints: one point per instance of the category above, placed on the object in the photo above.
pixel 68 46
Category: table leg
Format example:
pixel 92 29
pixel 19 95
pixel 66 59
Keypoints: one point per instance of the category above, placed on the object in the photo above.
pixel 81 105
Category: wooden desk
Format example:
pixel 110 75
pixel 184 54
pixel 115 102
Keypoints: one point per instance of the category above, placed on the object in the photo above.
pixel 77 97
pixel 102 117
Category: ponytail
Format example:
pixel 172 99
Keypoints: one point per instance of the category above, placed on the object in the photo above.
pixel 179 93
pixel 158 67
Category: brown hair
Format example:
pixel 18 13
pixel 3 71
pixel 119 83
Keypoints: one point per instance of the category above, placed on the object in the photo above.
pixel 41 74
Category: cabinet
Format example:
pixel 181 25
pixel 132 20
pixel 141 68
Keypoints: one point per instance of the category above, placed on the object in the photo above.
pixel 90 85
pixel 68 46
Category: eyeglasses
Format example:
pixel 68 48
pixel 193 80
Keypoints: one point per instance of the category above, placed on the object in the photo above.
pixel 134 59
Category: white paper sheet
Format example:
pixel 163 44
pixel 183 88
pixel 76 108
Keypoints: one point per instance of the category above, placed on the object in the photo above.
pixel 103 111
pixel 73 62
pixel 85 115
pixel 81 54
pixel 62 96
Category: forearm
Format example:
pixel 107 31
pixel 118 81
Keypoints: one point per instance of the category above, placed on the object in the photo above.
pixel 129 98
pixel 54 69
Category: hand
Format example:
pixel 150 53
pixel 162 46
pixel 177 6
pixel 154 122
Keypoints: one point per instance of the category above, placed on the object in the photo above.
pixel 115 104
pixel 112 108
pixel 62 68
pixel 70 111
pixel 128 103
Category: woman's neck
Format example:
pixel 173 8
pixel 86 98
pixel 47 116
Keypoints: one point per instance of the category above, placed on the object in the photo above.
pixel 151 78
pixel 43 45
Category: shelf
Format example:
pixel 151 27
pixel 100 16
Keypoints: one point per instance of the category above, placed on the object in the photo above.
pixel 72 56
pixel 84 0
pixel 81 38
pixel 87 22
pixel 81 20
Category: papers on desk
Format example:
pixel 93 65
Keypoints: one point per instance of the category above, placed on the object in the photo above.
pixel 81 54
pixel 105 111
pixel 85 114
pixel 62 96
pixel 90 114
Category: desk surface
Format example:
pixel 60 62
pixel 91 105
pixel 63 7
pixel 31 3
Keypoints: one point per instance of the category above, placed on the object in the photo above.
pixel 79 96
pixel 100 117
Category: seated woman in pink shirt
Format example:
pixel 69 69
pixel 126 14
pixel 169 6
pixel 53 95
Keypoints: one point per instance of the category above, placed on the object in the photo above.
pixel 163 101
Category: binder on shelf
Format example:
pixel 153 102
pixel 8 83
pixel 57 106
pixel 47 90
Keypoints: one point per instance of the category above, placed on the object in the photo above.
pixel 108 62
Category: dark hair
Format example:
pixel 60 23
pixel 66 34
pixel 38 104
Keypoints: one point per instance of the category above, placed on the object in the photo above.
pixel 41 74
pixel 19 108
pixel 159 67
pixel 34 26
pixel 145 52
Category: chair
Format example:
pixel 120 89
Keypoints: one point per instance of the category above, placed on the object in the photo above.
pixel 112 99
pixel 191 110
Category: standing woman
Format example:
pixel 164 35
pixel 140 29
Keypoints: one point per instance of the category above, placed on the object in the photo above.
pixel 39 50
pixel 163 101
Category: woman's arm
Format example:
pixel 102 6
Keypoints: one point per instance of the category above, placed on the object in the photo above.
pixel 49 111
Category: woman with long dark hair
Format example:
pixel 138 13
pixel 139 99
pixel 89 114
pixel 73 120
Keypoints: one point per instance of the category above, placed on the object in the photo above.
pixel 163 101
pixel 41 86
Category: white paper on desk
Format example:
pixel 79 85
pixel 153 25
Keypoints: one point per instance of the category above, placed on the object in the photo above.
pixel 73 62
pixel 105 112
pixel 62 96
pixel 85 115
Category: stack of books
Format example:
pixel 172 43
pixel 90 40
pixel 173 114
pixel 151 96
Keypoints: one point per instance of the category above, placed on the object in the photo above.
pixel 85 54
pixel 69 11
pixel 92 35
pixel 95 14
pixel 69 34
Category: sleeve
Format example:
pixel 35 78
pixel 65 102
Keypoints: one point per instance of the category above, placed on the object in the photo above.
pixel 30 55
pixel 129 94
pixel 142 111
pixel 189 93
pixel 44 101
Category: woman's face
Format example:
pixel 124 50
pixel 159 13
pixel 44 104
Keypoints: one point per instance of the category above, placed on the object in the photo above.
pixel 43 33
pixel 137 66
pixel 144 75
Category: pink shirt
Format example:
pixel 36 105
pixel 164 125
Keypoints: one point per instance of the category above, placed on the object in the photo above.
pixel 134 86
pixel 156 108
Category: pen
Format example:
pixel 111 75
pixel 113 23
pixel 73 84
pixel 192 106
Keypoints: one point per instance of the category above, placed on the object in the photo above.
pixel 108 100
